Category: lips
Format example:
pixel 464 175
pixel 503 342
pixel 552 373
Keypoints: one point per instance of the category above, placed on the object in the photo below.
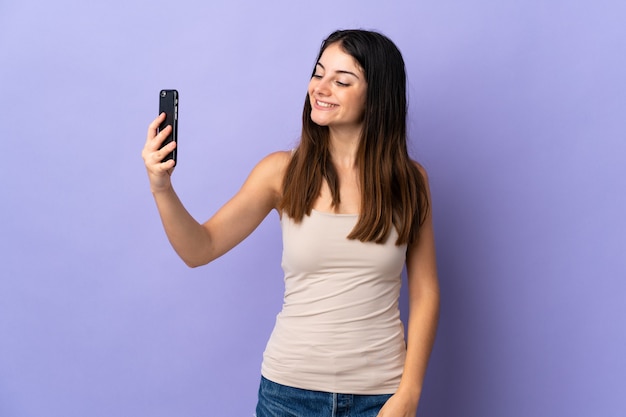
pixel 324 104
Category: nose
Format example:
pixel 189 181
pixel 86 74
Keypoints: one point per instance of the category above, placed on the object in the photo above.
pixel 321 86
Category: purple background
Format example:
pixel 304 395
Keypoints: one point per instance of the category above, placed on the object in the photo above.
pixel 518 111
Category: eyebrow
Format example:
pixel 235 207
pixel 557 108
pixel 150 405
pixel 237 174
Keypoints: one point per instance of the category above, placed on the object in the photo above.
pixel 340 71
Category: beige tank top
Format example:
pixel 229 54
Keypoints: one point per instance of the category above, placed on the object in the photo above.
pixel 339 329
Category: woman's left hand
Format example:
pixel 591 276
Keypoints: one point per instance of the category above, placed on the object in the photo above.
pixel 399 406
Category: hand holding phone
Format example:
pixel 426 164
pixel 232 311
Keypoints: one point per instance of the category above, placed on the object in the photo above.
pixel 168 104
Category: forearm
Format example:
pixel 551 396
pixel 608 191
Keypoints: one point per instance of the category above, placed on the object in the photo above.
pixel 422 327
pixel 189 238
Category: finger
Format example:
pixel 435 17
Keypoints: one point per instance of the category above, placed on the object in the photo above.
pixel 168 166
pixel 161 168
pixel 153 155
pixel 156 142
pixel 157 156
pixel 152 128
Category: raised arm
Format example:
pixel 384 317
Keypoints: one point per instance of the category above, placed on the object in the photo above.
pixel 423 289
pixel 198 244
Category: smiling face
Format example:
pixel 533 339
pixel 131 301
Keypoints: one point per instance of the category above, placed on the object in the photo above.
pixel 337 91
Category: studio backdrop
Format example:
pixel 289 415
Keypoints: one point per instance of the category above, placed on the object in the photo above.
pixel 517 111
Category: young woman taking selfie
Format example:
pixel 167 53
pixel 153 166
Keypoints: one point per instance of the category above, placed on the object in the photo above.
pixel 354 211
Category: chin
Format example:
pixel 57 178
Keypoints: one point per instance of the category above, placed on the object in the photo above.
pixel 318 121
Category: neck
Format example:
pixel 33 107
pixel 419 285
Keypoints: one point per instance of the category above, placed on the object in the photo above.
pixel 343 146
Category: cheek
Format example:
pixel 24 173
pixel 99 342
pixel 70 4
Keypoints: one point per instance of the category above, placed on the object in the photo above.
pixel 359 105
pixel 311 87
pixel 363 102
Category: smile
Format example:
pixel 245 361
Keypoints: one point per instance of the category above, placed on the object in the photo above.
pixel 325 105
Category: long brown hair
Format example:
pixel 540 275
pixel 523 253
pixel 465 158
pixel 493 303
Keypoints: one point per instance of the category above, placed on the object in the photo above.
pixel 393 191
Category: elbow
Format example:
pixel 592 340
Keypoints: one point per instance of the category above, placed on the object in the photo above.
pixel 197 257
pixel 200 260
pixel 192 265
pixel 195 263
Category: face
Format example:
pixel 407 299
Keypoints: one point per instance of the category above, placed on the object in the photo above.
pixel 337 90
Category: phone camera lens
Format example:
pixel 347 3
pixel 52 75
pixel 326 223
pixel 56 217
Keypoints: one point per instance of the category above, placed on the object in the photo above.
pixel 163 93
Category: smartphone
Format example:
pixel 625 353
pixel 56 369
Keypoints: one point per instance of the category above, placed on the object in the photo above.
pixel 168 104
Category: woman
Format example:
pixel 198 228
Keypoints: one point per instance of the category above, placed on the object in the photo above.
pixel 354 211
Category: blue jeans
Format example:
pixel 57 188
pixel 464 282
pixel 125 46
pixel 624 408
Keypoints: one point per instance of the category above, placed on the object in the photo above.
pixel 276 400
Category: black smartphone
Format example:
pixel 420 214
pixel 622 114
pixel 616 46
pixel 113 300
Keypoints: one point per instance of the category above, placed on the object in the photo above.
pixel 168 104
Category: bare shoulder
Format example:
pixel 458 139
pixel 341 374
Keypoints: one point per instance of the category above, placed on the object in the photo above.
pixel 268 175
pixel 279 159
pixel 274 165
pixel 421 169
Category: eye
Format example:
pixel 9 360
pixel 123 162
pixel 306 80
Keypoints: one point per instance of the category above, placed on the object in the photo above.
pixel 341 84
pixel 318 76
